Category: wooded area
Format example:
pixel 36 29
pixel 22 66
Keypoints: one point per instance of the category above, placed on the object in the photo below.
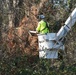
pixel 19 49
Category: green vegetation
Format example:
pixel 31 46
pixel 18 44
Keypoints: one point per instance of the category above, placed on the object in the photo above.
pixel 25 65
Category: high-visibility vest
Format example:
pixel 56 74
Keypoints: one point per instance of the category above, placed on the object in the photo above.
pixel 42 28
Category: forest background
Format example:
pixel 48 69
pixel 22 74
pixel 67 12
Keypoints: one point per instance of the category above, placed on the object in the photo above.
pixel 19 49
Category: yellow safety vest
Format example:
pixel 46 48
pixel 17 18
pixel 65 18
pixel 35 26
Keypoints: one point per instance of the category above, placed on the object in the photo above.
pixel 42 28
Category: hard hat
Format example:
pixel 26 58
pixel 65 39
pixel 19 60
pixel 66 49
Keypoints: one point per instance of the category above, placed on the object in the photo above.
pixel 41 16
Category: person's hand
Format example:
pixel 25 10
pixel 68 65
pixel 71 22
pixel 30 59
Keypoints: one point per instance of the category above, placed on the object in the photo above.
pixel 37 32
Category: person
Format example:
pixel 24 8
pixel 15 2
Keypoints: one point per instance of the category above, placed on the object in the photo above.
pixel 42 27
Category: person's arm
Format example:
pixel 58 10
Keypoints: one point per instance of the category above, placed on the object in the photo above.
pixel 38 28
